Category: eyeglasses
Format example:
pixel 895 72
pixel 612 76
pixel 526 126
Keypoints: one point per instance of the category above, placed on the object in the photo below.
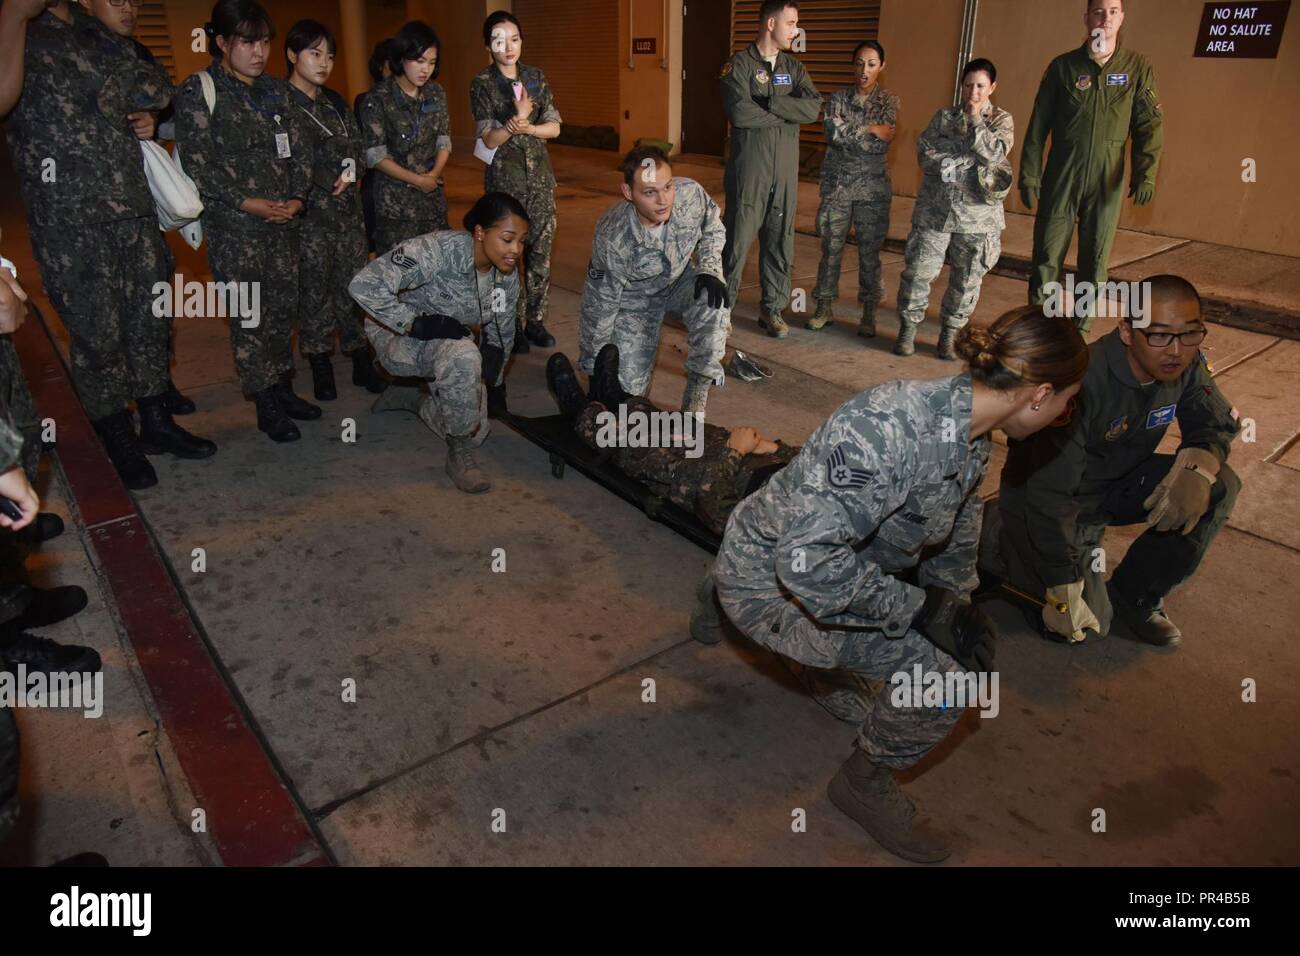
pixel 1161 339
pixel 122 3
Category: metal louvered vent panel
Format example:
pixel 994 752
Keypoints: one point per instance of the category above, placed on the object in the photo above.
pixel 151 30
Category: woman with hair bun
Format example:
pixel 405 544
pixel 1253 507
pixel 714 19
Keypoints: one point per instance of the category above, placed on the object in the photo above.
pixel 858 557
pixel 423 299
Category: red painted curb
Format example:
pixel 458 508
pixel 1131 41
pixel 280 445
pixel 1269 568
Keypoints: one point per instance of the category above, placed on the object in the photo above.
pixel 251 816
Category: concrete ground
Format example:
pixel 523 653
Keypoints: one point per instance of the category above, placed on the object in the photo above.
pixel 520 698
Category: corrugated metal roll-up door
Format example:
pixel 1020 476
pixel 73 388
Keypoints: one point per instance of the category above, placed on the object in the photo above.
pixel 151 30
pixel 575 43
pixel 832 27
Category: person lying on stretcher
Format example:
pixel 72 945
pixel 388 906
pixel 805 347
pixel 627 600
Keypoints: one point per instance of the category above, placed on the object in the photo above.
pixel 706 470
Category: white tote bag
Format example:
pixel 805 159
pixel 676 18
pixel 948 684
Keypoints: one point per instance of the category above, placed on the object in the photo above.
pixel 175 196
pixel 192 232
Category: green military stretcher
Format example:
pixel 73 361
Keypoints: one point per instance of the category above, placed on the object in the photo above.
pixel 554 434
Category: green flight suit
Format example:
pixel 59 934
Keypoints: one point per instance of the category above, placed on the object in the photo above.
pixel 1090 109
pixel 762 175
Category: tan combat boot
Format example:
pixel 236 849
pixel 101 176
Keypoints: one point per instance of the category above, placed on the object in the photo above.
pixel 822 317
pixel 773 324
pixel 463 467
pixel 947 338
pixel 706 619
pixel 868 794
pixel 906 343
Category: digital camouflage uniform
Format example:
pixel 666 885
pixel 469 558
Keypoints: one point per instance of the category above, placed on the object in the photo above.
pixel 635 277
pixel 955 218
pixel 93 225
pixel 855 189
pixel 522 168
pixel 813 565
pixel 411 131
pixel 709 486
pixel 434 274
pixel 1090 110
pixel 762 173
pixel 1063 486
pixel 232 155
pixel 333 247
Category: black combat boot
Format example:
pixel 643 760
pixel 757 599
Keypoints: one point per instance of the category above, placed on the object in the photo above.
pixel 160 434
pixel 47 606
pixel 272 419
pixel 1144 617
pixel 605 386
pixel 46 527
pixel 563 383
pixel 42 654
pixel 536 333
pixel 177 403
pixel 291 404
pixel 117 432
pixel 322 378
pixel 364 373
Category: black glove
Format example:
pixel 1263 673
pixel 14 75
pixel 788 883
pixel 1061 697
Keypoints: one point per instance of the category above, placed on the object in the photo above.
pixel 715 287
pixel 764 102
pixel 427 327
pixel 959 628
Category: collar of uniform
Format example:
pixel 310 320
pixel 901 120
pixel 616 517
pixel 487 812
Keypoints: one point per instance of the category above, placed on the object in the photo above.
pixel 642 233
pixel 757 54
pixel 461 251
pixel 1085 54
pixel 222 76
pixel 954 401
pixel 863 99
pixel 1117 359
pixel 399 95
pixel 302 99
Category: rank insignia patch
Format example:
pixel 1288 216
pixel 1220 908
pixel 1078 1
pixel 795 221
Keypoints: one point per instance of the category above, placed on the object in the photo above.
pixel 400 259
pixel 840 474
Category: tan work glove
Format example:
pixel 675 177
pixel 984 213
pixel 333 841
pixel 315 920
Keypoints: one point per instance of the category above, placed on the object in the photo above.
pixel 1078 615
pixel 1183 496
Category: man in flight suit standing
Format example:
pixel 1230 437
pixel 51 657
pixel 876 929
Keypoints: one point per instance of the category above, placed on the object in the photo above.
pixel 1091 100
pixel 767 95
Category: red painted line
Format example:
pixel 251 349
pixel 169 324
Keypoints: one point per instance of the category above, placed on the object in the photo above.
pixel 251 816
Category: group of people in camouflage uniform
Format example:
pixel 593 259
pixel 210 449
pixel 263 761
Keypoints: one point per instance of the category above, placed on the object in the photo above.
pixel 855 556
